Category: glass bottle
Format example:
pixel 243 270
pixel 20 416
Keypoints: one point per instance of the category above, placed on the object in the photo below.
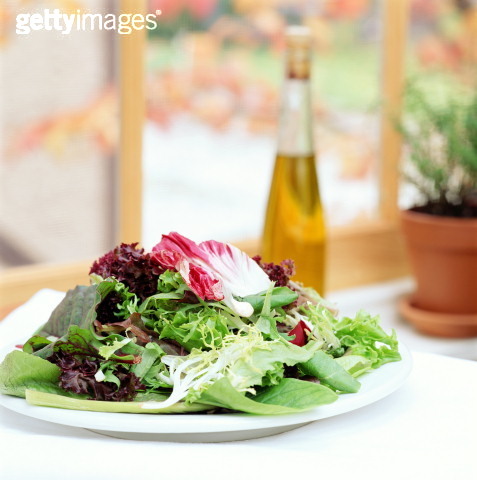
pixel 294 223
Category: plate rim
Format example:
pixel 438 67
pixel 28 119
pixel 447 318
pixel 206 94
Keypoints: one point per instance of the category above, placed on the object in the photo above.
pixel 372 390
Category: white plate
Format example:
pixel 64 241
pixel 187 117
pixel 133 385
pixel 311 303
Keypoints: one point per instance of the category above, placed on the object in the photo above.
pixel 221 427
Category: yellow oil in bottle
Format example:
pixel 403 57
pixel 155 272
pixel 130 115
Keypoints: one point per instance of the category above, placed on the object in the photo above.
pixel 294 226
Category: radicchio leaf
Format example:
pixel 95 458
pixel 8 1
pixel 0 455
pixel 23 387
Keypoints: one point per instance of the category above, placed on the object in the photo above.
pixel 197 278
pixel 301 337
pixel 213 270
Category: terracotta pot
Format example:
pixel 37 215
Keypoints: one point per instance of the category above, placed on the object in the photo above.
pixel 443 255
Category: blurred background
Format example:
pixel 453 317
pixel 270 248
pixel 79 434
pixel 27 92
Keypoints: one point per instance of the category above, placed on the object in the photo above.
pixel 58 139
pixel 213 76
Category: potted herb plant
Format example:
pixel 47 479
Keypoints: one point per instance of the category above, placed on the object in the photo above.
pixel 440 230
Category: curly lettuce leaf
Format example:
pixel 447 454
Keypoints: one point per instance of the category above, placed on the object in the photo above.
pixel 264 365
pixel 197 327
pixel 322 322
pixel 364 337
pixel 171 281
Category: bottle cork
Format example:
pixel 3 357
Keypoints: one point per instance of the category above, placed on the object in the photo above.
pixel 298 42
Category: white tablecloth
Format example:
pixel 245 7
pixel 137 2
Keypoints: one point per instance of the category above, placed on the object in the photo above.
pixel 427 429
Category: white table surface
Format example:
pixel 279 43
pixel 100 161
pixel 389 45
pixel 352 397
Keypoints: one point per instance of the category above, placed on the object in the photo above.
pixel 427 429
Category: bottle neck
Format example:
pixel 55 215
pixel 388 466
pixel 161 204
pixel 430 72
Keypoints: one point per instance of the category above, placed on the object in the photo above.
pixel 295 128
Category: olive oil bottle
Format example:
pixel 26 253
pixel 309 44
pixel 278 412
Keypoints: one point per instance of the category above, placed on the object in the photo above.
pixel 294 223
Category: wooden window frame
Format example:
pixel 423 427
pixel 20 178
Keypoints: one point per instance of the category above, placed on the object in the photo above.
pixel 368 253
pixel 20 283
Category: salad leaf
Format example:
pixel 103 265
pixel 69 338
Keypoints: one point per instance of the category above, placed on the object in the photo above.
pixel 321 321
pixel 82 342
pixel 213 270
pixel 195 327
pixel 131 266
pixel 133 326
pixel 171 281
pixel 264 364
pixel 329 372
pixel 21 371
pixel 84 377
pixel 77 308
pixel 267 318
pixel 290 396
pixel 59 401
pixel 150 356
pixel 280 296
pixel 278 273
pixel 245 360
pixel 299 334
pixel 364 336
pixel 295 393
pixel 99 369
pixel 108 350
pixel 356 365
pixel 35 343
pixel 223 394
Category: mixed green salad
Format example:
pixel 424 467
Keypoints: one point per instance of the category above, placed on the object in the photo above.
pixel 194 327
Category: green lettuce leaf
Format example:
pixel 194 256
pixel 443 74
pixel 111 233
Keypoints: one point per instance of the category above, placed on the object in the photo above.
pixel 170 281
pixel 295 393
pixel 150 356
pixel 108 350
pixel 195 327
pixel 20 371
pixel 264 365
pixel 355 365
pixel 113 347
pixel 290 396
pixel 35 343
pixel 363 336
pixel 59 401
pixel 323 323
pixel 77 308
pixel 329 372
pixel 279 297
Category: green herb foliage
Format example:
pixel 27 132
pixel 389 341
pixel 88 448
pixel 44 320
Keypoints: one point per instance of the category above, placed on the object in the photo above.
pixel 441 137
